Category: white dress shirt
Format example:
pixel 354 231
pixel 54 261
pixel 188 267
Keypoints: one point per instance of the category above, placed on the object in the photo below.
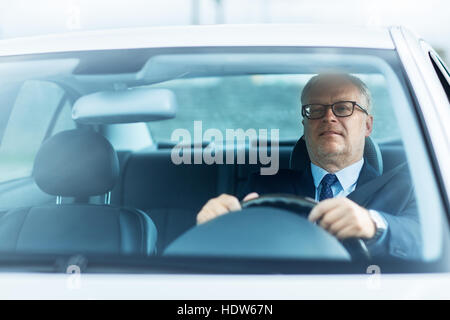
pixel 346 184
pixel 347 179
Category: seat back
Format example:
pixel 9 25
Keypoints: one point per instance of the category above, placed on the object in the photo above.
pixel 393 154
pixel 77 163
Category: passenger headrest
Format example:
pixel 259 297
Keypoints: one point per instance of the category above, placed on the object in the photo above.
pixel 300 158
pixel 76 163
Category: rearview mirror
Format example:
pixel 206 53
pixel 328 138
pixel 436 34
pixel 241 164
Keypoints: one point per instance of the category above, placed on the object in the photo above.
pixel 125 106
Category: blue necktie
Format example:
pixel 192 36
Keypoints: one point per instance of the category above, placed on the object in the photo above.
pixel 327 182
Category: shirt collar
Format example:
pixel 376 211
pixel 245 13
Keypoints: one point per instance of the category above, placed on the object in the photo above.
pixel 347 177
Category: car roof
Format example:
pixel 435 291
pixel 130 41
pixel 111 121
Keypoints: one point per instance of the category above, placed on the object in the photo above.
pixel 200 36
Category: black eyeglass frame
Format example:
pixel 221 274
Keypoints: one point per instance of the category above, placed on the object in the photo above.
pixel 354 103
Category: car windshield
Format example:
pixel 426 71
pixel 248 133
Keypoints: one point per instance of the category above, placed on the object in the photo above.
pixel 254 99
pixel 111 155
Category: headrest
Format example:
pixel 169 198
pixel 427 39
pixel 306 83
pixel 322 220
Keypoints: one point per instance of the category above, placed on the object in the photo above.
pixel 76 163
pixel 300 158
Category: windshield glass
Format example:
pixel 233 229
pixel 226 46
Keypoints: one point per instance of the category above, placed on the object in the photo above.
pixel 208 100
pixel 157 154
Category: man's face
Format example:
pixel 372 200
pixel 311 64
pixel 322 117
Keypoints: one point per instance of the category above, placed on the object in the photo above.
pixel 334 139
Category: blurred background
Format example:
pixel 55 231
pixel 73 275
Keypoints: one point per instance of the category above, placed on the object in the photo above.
pixel 19 18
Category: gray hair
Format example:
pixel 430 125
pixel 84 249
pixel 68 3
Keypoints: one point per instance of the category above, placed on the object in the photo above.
pixel 358 83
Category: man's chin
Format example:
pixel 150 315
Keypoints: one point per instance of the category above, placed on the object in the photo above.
pixel 330 149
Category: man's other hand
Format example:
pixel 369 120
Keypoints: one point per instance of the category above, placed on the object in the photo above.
pixel 220 205
pixel 343 218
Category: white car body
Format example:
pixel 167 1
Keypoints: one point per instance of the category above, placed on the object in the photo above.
pixel 224 287
pixel 413 53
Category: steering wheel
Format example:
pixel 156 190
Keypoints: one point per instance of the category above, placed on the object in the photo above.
pixel 271 226
pixel 303 206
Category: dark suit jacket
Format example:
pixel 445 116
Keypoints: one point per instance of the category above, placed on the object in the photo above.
pixel 391 194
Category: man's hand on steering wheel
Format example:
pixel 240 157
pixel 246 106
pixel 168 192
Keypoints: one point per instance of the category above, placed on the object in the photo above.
pixel 343 218
pixel 220 205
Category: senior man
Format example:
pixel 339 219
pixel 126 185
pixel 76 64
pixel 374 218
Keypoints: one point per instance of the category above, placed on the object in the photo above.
pixel 354 201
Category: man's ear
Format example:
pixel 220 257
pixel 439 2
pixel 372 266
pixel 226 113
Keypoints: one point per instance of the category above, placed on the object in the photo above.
pixel 369 125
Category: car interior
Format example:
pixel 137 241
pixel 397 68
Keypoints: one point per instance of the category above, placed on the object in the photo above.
pixel 150 214
pixel 127 201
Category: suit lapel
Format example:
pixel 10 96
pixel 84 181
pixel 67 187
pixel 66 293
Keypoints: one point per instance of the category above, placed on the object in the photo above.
pixel 304 184
pixel 367 174
pixel 364 193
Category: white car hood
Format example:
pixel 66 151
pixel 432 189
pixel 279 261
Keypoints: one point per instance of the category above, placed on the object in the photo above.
pixel 224 287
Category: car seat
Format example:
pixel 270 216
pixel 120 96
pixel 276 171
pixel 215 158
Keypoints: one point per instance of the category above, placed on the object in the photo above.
pixel 77 163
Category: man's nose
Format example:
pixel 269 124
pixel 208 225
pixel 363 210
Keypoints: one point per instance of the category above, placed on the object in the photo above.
pixel 329 115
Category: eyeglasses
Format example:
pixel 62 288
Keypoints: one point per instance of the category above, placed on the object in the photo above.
pixel 340 109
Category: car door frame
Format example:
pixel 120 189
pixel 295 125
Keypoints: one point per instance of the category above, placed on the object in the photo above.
pixel 430 96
